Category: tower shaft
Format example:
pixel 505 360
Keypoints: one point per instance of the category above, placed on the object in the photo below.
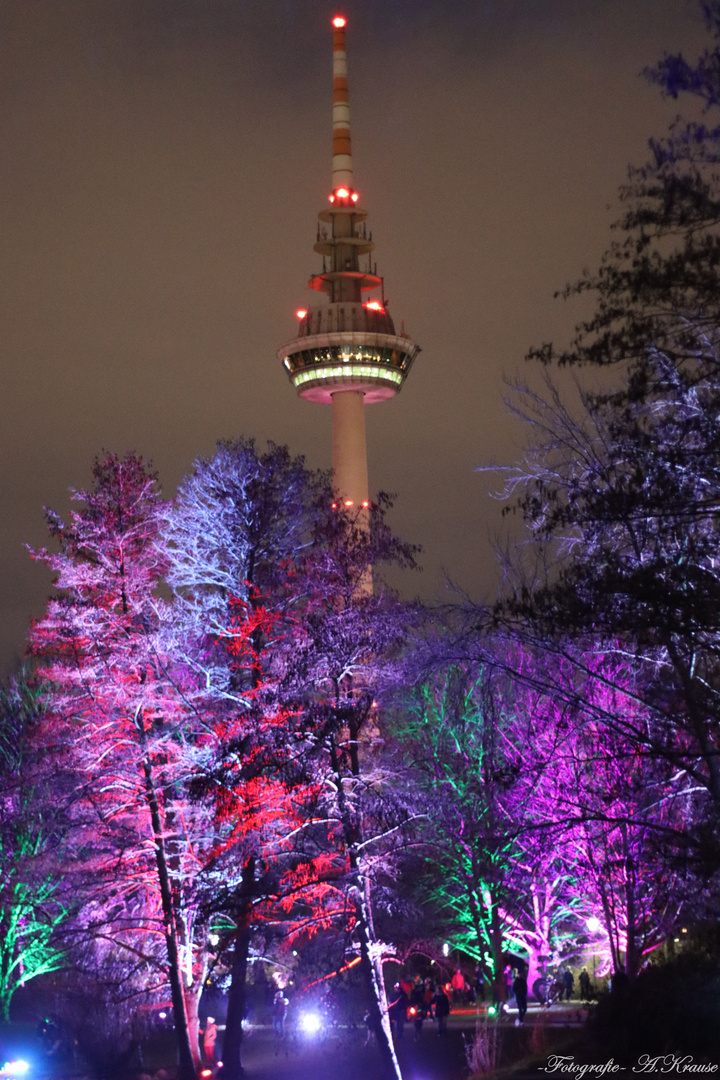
pixel 349 447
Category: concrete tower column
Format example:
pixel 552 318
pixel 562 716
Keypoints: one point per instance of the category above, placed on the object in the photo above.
pixel 349 447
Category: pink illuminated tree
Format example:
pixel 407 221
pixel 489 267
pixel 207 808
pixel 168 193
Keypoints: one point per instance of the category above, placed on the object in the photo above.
pixel 119 723
pixel 618 818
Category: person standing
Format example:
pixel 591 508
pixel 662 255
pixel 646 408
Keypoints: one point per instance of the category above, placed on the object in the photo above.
pixel 279 1011
pixel 209 1040
pixel 417 1006
pixel 441 1005
pixel 569 982
pixel 520 990
pixel 397 1010
pixel 584 980
pixel 479 982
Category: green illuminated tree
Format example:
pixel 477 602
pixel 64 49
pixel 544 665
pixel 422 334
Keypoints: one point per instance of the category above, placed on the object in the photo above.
pixel 32 904
pixel 478 742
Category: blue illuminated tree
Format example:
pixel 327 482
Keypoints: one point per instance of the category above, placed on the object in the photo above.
pixel 235 538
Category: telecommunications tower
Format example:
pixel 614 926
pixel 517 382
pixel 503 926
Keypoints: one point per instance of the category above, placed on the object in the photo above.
pixel 347 353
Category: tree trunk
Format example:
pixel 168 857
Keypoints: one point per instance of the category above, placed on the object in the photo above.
pixel 371 968
pixel 500 992
pixel 188 1061
pixel 232 1044
pixel 371 961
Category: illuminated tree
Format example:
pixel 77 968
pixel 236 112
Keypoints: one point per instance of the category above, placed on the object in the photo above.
pixel 626 814
pixel 478 742
pixel 546 810
pixel 342 658
pixel 265 871
pixel 118 720
pixel 287 649
pixel 236 531
pixel 235 538
pixel 452 734
pixel 32 903
pixel 623 504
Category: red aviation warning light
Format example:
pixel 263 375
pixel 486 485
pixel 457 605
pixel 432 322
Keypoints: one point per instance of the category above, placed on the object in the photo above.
pixel 338 22
pixel 343 194
pixel 301 313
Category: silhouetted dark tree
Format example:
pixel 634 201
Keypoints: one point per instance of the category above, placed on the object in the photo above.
pixel 621 493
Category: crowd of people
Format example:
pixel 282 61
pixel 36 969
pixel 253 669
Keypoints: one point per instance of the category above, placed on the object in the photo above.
pixel 425 999
pixel 418 1001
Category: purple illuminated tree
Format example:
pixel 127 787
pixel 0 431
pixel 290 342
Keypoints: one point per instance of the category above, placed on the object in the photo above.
pixel 626 814
pixel 477 741
pixel 549 808
pixel 118 721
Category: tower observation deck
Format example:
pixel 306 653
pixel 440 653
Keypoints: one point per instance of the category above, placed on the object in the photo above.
pixel 347 353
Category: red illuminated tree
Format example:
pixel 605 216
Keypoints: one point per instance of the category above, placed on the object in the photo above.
pixel 235 538
pixel 287 646
pixel 119 724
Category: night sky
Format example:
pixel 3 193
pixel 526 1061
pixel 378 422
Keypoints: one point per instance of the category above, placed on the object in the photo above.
pixel 163 163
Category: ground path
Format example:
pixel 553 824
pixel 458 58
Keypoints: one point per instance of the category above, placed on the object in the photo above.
pixel 344 1055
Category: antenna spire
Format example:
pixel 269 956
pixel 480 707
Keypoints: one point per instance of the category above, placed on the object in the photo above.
pixel 342 168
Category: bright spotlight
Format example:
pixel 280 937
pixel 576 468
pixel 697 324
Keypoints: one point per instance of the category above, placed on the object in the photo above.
pixel 310 1023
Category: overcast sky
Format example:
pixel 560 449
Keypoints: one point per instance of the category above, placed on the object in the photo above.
pixel 163 163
